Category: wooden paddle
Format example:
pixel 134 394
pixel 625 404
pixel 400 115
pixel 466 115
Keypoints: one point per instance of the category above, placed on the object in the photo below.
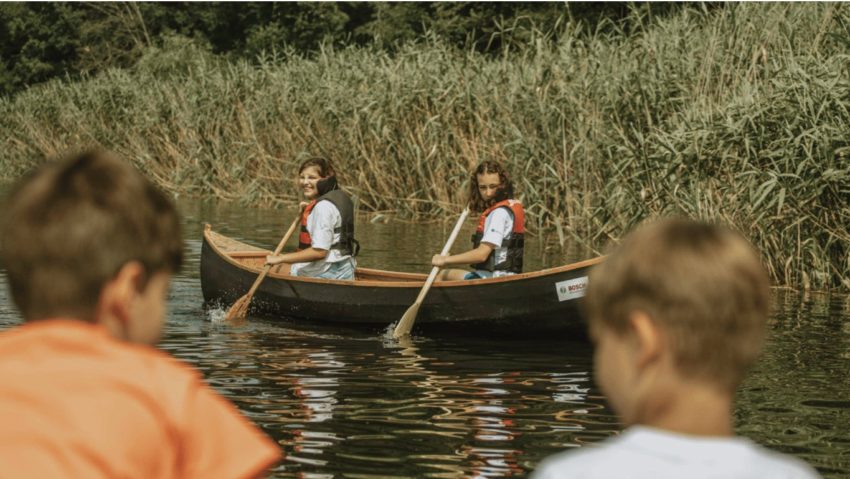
pixel 239 310
pixel 405 324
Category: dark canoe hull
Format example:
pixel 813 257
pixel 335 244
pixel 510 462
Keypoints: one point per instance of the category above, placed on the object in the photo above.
pixel 530 303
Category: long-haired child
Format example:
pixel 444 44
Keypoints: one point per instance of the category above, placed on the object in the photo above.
pixel 499 239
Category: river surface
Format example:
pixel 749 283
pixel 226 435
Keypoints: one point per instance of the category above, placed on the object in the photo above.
pixel 355 404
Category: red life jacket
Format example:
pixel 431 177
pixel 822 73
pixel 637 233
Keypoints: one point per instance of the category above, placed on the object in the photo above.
pixel 515 243
pixel 304 239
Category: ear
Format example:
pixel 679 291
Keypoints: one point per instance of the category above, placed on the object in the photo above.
pixel 117 297
pixel 647 338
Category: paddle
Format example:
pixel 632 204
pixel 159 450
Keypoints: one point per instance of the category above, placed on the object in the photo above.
pixel 237 312
pixel 405 324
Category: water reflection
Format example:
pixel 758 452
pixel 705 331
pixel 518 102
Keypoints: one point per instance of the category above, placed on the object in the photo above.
pixel 797 396
pixel 352 403
pixel 467 411
pixel 485 413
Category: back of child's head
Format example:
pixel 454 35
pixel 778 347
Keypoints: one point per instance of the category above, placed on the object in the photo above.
pixel 477 203
pixel 702 285
pixel 71 225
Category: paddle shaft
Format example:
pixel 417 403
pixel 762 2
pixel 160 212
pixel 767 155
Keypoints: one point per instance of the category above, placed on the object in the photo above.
pixel 446 249
pixel 276 252
pixel 405 324
pixel 436 269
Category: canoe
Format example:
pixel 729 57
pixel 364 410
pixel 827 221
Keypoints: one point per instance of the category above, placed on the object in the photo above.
pixel 540 302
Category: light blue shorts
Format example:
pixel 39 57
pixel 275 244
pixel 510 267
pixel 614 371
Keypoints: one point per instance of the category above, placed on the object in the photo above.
pixel 479 274
pixel 340 270
pixel 484 274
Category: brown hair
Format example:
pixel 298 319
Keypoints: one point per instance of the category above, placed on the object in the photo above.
pixel 323 164
pixel 702 284
pixel 71 225
pixel 476 202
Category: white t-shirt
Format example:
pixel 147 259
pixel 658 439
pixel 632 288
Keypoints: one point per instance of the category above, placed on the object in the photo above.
pixel 497 227
pixel 647 453
pixel 324 218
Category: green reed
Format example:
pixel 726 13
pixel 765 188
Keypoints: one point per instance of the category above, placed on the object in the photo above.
pixel 740 114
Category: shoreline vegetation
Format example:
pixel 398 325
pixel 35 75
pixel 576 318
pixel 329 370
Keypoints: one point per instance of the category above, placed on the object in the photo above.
pixel 739 114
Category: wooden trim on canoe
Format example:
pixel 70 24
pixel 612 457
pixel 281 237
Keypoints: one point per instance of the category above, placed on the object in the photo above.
pixel 222 246
pixel 248 254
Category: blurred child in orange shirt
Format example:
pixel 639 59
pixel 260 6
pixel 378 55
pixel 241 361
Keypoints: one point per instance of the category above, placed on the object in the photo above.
pixel 89 246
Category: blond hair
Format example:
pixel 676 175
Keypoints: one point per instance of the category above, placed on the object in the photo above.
pixel 703 286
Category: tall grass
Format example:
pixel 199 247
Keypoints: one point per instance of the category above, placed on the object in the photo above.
pixel 741 114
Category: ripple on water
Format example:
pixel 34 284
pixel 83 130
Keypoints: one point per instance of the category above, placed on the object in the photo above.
pixel 360 404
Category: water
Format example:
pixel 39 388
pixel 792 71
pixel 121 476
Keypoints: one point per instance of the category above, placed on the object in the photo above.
pixel 348 402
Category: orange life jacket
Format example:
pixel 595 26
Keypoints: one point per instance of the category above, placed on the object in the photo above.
pixel 514 243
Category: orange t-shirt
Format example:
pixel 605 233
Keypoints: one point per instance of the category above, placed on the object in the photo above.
pixel 74 402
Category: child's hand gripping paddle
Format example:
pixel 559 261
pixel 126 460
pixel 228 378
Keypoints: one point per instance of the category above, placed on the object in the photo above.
pixel 405 324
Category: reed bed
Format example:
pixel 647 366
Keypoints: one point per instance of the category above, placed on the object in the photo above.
pixel 739 114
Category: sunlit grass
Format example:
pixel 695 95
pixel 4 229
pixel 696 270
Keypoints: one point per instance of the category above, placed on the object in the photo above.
pixel 741 114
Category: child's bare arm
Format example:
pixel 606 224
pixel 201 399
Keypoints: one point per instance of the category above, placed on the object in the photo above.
pixel 476 255
pixel 303 256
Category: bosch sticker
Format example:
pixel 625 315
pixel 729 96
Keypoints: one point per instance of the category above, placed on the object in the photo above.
pixel 571 288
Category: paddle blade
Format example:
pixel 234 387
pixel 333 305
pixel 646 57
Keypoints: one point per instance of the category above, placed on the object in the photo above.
pixel 405 324
pixel 236 314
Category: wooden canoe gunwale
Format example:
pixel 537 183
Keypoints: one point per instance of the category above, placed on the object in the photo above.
pixel 406 280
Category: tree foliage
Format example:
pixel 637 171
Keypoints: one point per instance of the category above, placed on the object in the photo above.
pixel 39 41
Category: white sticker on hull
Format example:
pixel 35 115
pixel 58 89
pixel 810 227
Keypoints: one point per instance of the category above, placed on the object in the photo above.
pixel 571 288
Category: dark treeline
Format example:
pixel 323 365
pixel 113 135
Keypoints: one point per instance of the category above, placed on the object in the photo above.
pixel 40 41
